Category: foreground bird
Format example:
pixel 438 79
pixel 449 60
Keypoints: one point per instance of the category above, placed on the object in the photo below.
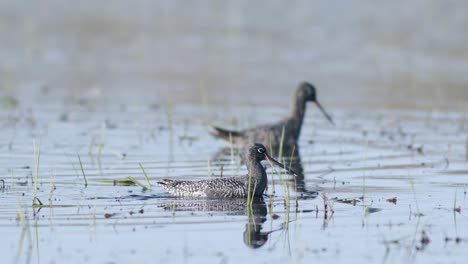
pixel 270 135
pixel 229 187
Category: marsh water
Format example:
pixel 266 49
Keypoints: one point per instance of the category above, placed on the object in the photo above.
pixel 391 179
pixel 92 94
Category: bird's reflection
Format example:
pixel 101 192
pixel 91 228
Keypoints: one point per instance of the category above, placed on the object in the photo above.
pixel 256 214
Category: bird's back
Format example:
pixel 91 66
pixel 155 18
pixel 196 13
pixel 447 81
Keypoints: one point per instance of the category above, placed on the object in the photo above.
pixel 268 135
pixel 214 188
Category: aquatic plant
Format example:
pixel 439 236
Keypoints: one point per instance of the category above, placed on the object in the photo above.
pixel 283 182
pixel 52 187
pixel 129 181
pixel 136 182
pixel 37 157
pixel 146 176
pixel 82 171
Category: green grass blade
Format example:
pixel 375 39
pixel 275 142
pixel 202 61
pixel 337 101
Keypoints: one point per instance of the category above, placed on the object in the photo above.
pixel 146 175
pixel 82 170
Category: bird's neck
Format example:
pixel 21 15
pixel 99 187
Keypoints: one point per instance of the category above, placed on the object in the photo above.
pixel 296 113
pixel 257 177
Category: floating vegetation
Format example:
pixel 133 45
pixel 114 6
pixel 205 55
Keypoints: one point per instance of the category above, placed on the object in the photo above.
pixel 352 201
pixel 455 239
pixel 107 215
pixel 8 102
pixel 141 211
pixel 419 150
pixel 38 204
pixel 355 201
pixel 371 210
pixel 120 182
pixel 392 200
pixel 129 181
pixel 189 139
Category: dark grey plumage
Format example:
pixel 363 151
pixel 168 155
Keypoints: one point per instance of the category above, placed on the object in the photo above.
pixel 270 134
pixel 228 187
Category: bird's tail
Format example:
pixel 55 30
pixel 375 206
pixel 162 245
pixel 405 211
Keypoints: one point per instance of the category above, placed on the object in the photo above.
pixel 165 182
pixel 224 133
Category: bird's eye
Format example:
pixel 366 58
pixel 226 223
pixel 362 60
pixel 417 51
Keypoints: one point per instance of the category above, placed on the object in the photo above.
pixel 261 150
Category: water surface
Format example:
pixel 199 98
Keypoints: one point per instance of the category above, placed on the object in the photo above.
pixel 415 159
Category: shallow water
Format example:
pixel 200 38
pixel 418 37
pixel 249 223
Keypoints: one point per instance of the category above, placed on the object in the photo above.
pixel 418 158
pixel 128 83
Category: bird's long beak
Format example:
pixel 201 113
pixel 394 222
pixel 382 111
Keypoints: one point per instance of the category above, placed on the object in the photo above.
pixel 273 161
pixel 324 112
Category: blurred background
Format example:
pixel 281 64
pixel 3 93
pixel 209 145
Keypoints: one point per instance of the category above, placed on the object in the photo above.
pixel 393 54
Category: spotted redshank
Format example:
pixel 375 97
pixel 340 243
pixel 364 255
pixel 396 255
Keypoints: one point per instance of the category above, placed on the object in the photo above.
pixel 229 187
pixel 270 134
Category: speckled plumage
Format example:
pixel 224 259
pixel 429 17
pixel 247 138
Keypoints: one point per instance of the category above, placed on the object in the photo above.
pixel 270 134
pixel 228 187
